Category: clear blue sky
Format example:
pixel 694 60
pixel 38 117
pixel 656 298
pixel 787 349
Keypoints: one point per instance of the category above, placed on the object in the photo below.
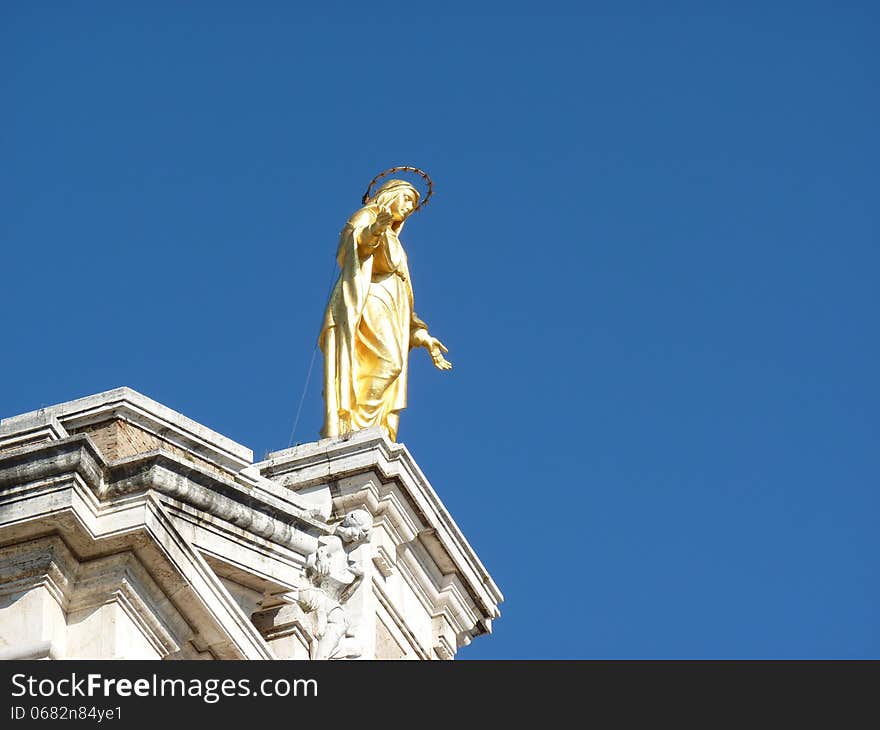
pixel 653 254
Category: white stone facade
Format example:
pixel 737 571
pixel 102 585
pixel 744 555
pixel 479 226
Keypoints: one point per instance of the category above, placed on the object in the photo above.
pixel 129 531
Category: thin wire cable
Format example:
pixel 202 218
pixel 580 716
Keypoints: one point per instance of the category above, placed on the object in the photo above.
pixel 302 397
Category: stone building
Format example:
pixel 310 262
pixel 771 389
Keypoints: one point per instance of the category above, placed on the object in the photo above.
pixel 130 531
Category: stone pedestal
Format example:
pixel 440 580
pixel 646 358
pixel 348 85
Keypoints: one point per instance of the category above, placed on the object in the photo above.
pixel 130 531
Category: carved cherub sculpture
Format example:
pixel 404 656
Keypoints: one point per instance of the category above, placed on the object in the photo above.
pixel 334 576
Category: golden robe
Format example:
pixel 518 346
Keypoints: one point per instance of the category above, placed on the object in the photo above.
pixel 367 330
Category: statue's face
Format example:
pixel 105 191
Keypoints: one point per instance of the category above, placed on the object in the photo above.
pixel 402 205
pixel 357 525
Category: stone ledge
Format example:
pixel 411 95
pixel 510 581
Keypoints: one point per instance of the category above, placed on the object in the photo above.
pixel 265 513
pixel 229 542
pixel 129 405
pixel 142 529
pixel 334 459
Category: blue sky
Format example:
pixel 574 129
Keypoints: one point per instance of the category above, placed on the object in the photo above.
pixel 652 253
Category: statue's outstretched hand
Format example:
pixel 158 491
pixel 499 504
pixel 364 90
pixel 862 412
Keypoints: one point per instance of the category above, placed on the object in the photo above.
pixel 437 348
pixel 384 219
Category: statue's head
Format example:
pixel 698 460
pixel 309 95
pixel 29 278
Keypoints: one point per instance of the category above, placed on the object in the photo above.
pixel 357 526
pixel 399 196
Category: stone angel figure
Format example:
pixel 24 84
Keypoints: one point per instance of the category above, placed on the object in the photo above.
pixel 334 576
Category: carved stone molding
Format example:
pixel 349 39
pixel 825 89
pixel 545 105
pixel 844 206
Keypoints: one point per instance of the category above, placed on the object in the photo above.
pixel 152 520
pixel 81 587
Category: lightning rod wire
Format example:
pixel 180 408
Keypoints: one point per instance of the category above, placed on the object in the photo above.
pixel 302 397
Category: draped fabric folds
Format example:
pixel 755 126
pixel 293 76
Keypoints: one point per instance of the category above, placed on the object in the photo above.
pixel 367 330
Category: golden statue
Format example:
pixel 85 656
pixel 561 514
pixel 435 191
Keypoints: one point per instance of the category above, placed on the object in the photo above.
pixel 370 325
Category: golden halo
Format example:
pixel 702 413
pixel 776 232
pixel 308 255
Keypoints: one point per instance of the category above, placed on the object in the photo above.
pixel 402 168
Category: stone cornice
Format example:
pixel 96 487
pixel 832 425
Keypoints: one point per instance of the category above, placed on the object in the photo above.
pixel 45 562
pixel 80 586
pixel 91 532
pixel 371 450
pixel 129 405
pixel 36 428
pixel 264 511
pixel 48 459
pixel 139 493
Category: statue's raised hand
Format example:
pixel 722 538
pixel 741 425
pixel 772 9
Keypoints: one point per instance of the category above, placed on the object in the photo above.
pixel 383 219
pixel 437 348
